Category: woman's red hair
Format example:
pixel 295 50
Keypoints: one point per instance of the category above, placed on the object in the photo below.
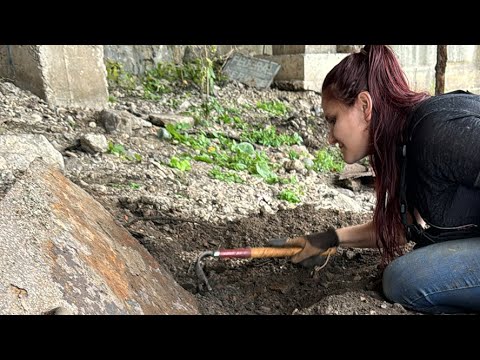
pixel 376 69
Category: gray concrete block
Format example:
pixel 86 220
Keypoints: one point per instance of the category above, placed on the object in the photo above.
pixel 292 66
pixel 305 71
pixel 288 49
pixel 303 49
pixel 74 75
pixel 63 75
pixel 23 66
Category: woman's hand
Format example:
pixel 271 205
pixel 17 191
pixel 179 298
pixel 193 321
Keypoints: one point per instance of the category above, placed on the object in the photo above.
pixel 313 245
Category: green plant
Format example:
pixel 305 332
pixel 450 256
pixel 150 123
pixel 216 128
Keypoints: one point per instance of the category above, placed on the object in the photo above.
pixel 226 153
pixel 134 185
pixel 289 180
pixel 117 76
pixel 202 73
pixel 227 176
pixel 115 149
pixel 182 165
pixel 289 195
pixel 268 136
pixel 293 155
pixel 275 108
pixel 365 161
pixel 247 106
pixel 328 159
pixel 119 151
pixel 208 74
pixel 154 85
pixel 173 103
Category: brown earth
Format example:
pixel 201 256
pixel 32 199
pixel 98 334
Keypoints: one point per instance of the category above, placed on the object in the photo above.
pixel 350 283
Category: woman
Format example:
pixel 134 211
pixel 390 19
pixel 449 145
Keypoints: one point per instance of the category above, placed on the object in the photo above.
pixel 425 151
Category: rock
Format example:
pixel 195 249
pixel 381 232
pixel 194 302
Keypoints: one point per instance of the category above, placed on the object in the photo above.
pixel 94 143
pixel 51 229
pixel 354 171
pixel 60 311
pixel 114 121
pixel 164 119
pixel 294 165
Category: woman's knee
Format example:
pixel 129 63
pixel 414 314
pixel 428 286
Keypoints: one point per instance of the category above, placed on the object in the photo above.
pixel 423 278
pixel 401 283
pixel 390 282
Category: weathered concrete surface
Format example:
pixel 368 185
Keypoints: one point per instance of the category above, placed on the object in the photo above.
pixel 305 66
pixel 303 49
pixel 62 75
pixel 21 63
pixel 251 50
pixel 60 247
pixel 75 75
pixel 462 72
pixel 136 59
pixel 251 71
pixel 304 71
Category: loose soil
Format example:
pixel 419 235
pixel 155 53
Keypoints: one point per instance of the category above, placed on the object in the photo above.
pixel 349 283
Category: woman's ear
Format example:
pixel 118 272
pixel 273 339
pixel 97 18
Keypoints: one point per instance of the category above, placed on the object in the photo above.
pixel 366 103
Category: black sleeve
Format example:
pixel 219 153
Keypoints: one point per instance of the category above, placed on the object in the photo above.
pixel 453 150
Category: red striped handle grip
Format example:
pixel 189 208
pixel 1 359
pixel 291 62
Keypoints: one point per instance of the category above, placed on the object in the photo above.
pixel 264 252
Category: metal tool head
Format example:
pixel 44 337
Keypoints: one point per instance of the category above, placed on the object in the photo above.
pixel 199 270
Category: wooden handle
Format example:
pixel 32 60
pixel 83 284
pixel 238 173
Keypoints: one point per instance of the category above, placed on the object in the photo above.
pixel 267 252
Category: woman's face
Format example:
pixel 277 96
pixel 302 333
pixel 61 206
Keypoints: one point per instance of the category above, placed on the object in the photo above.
pixel 349 126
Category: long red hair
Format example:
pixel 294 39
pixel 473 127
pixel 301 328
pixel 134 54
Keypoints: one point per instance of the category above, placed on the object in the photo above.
pixel 376 69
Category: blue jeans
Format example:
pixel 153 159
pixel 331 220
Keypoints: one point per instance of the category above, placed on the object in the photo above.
pixel 438 278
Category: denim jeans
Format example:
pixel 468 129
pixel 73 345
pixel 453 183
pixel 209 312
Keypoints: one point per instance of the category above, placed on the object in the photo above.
pixel 438 278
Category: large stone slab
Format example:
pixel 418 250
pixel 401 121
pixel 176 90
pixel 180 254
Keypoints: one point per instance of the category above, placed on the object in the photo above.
pixel 62 75
pixel 60 247
pixel 251 71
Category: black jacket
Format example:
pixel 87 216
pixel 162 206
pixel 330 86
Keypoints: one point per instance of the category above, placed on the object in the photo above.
pixel 443 160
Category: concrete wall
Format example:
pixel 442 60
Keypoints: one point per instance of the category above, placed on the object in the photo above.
pixel 303 49
pixel 21 63
pixel 462 71
pixel 138 58
pixel 303 71
pixel 63 75
pixel 305 66
pixel 74 75
pixel 246 49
